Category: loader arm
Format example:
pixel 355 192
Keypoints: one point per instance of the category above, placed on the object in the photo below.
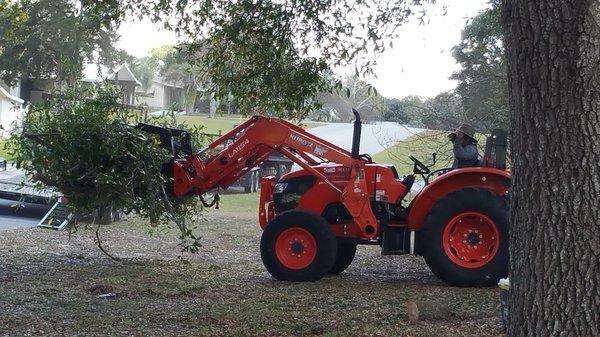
pixel 253 141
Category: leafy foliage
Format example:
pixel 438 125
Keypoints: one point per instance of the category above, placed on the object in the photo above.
pixel 169 64
pixel 80 144
pixel 483 85
pixel 404 110
pixel 354 93
pixel 176 68
pixel 52 38
pixel 271 56
pixel 145 68
pixel 268 56
pixel 481 97
pixel 443 112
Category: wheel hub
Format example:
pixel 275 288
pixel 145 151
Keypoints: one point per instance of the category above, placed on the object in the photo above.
pixel 471 239
pixel 295 248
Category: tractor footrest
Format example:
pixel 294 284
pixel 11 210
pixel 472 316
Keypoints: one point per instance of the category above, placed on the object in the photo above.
pixel 395 241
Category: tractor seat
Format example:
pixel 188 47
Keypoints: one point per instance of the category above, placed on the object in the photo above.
pixel 408 181
pixel 495 150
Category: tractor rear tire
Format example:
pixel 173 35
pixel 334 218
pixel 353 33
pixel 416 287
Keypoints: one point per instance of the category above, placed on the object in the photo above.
pixel 298 246
pixel 345 256
pixel 466 238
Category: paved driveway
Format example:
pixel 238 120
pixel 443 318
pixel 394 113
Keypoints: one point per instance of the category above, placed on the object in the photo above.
pixel 28 215
pixel 374 137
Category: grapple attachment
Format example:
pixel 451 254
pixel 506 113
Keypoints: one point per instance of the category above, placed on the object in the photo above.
pixel 177 141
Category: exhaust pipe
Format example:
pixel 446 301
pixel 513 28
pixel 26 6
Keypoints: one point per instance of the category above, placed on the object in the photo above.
pixel 356 134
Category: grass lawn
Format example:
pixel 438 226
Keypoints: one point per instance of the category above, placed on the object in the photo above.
pixel 3 152
pixel 244 203
pixel 50 283
pixel 421 146
pixel 222 123
pixel 213 125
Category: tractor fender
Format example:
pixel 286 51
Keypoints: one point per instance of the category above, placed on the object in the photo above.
pixel 480 177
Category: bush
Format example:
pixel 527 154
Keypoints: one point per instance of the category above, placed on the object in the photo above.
pixel 80 144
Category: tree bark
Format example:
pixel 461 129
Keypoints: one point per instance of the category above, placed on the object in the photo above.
pixel 190 100
pixel 553 48
pixel 427 311
pixel 212 109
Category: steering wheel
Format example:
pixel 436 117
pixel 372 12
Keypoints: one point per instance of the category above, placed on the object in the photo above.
pixel 424 169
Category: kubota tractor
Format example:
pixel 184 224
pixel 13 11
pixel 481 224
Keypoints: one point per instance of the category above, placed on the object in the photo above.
pixel 313 218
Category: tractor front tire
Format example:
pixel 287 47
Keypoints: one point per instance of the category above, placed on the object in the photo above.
pixel 345 256
pixel 298 246
pixel 466 238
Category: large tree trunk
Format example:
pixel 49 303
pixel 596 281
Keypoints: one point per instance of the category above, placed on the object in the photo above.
pixel 190 101
pixel 553 50
pixel 212 109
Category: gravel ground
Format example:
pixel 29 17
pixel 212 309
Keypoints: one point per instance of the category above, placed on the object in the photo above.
pixel 50 282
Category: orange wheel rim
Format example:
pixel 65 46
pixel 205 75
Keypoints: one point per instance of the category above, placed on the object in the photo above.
pixel 295 248
pixel 471 239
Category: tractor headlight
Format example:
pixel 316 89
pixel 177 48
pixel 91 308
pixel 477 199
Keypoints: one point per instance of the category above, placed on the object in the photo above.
pixel 280 187
pixel 287 194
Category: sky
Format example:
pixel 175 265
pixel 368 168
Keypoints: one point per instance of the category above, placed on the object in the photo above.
pixel 419 64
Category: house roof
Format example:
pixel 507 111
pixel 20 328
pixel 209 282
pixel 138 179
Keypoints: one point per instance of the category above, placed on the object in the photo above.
pixel 96 73
pixel 7 95
pixel 166 84
pixel 93 72
pixel 123 73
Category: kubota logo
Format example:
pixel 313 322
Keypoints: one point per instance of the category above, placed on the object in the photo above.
pixel 239 147
pixel 301 140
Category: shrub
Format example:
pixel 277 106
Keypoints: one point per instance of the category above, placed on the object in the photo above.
pixel 80 143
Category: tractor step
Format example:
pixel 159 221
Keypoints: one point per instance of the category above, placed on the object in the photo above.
pixel 58 217
pixel 395 241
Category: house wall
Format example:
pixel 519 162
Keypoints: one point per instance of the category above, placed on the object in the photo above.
pixel 9 113
pixel 128 92
pixel 156 101
pixel 16 90
pixel 163 98
pixel 173 98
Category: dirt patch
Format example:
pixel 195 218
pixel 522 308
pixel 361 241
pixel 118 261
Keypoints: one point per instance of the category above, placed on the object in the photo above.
pixel 50 284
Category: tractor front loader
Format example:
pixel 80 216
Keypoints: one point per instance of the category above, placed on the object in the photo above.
pixel 313 218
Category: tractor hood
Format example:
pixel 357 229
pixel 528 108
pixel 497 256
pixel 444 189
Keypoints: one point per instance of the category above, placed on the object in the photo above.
pixel 333 172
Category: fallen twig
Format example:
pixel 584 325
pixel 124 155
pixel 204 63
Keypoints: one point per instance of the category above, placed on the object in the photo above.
pixel 99 242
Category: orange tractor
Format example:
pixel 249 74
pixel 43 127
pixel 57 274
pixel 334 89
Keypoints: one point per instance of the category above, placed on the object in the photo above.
pixel 313 218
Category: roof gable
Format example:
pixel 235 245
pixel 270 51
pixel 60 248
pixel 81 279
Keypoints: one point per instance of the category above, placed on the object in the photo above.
pixel 95 73
pixel 5 94
pixel 123 73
